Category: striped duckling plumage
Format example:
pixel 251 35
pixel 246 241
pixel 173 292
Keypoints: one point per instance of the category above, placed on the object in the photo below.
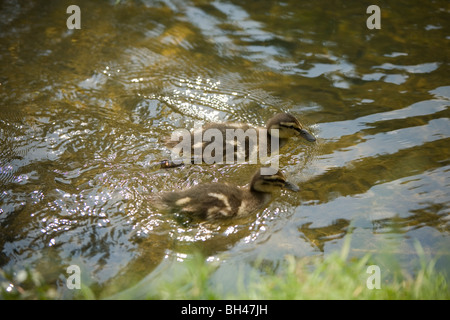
pixel 212 201
pixel 286 126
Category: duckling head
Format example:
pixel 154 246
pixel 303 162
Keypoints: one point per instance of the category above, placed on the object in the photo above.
pixel 288 126
pixel 271 183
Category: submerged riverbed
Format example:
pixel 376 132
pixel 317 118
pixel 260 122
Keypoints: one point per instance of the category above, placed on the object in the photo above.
pixel 84 114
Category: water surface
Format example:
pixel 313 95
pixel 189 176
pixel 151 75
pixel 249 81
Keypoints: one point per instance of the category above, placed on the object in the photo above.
pixel 84 115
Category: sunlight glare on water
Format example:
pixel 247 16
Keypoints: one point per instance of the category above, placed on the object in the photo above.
pixel 85 115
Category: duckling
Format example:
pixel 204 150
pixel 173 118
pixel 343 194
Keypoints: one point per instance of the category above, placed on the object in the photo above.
pixel 219 139
pixel 213 201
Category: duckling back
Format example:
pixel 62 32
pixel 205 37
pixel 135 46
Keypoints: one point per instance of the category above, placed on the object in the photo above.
pixel 225 143
pixel 206 201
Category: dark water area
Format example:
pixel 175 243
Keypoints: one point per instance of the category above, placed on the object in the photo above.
pixel 84 114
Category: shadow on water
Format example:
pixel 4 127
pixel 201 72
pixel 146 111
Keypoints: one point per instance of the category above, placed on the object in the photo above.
pixel 85 113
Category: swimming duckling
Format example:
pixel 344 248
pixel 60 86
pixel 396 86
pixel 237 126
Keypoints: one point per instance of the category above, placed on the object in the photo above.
pixel 214 142
pixel 212 201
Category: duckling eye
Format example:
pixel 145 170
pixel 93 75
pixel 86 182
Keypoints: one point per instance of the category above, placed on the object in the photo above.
pixel 274 181
pixel 289 125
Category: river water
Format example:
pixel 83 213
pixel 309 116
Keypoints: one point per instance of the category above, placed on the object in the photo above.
pixel 84 114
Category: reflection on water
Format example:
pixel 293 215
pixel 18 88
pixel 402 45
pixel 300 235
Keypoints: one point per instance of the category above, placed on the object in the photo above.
pixel 85 113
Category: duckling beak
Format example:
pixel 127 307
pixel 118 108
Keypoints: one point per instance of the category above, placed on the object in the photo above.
pixel 306 135
pixel 290 186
